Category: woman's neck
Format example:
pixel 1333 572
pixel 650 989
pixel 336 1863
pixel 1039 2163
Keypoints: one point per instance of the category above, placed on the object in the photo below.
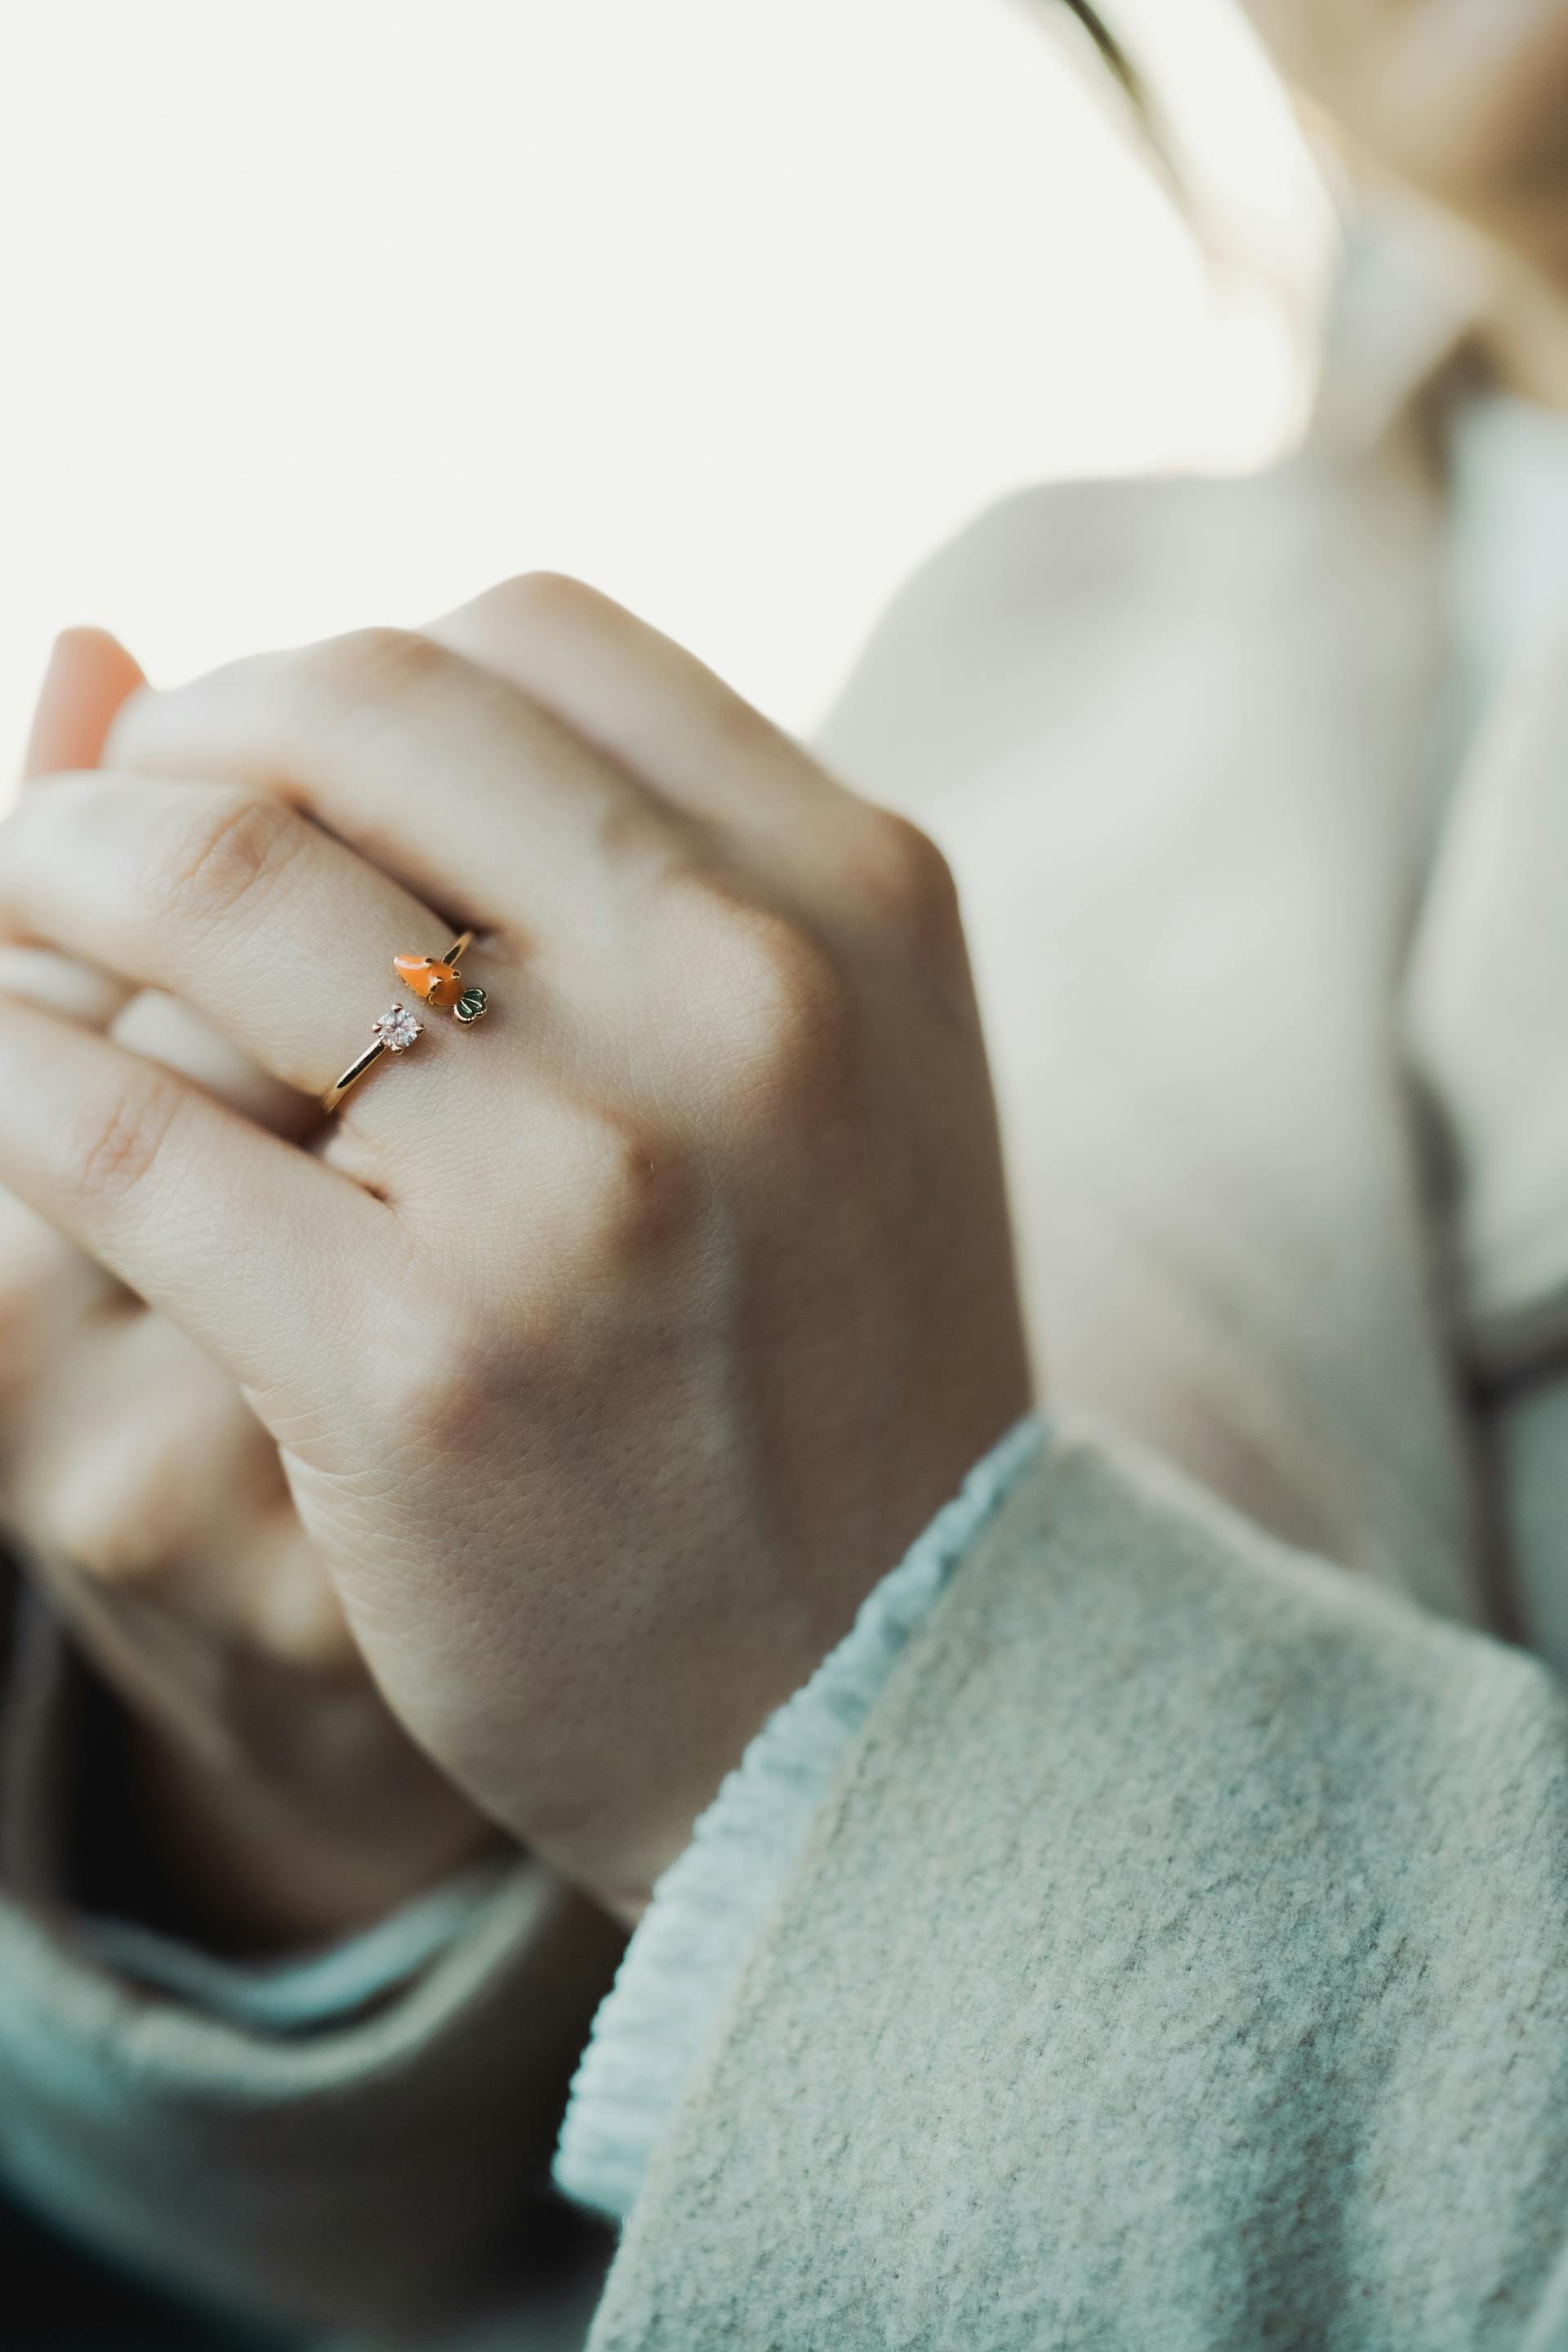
pixel 1524 333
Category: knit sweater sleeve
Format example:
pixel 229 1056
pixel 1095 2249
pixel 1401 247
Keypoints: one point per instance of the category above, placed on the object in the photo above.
pixel 710 1902
pixel 1180 1957
pixel 356 2137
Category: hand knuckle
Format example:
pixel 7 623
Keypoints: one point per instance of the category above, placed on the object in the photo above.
pixel 220 851
pixel 98 1526
pixel 299 1624
pixel 477 1360
pixel 120 1139
pixel 637 1197
pixel 905 883
pixel 439 1377
pixel 132 730
pixel 797 1014
pixel 547 599
pixel 368 665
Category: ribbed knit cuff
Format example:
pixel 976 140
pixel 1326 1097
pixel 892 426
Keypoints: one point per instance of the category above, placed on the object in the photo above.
pixel 688 1951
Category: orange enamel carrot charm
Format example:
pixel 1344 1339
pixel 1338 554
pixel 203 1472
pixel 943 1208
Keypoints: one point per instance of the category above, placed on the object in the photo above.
pixel 438 983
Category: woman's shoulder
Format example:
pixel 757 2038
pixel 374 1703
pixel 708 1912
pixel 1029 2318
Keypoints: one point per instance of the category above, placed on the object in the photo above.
pixel 1057 586
pixel 1042 535
pixel 1054 542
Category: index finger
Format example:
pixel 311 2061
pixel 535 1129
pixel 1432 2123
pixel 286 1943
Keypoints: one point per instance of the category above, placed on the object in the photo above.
pixel 262 1254
pixel 88 679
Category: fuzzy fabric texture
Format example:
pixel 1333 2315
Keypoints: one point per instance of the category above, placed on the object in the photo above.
pixel 689 1947
pixel 330 2165
pixel 1181 1960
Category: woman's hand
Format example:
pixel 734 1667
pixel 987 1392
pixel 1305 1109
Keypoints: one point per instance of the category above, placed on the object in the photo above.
pixel 612 1347
pixel 283 1798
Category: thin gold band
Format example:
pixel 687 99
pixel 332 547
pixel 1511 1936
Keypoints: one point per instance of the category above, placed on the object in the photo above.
pixel 367 1060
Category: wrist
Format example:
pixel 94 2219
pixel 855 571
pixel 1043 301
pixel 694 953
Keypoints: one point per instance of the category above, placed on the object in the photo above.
pixel 814 1711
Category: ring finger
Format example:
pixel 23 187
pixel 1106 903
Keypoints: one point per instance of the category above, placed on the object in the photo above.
pixel 234 902
pixel 34 1259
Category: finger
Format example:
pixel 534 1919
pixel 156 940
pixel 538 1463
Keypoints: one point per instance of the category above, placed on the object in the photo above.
pixel 147 1022
pixel 471 792
pixel 265 1257
pixel 162 1029
pixel 157 1481
pixel 35 1264
pixel 49 1293
pixel 159 1027
pixel 780 821
pixel 231 899
pixel 642 698
pixel 62 984
pixel 89 676
pixel 88 681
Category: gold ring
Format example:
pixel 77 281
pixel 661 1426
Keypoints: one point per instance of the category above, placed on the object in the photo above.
pixel 439 980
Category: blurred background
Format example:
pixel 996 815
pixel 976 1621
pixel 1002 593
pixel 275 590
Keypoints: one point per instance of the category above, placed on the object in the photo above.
pixel 324 311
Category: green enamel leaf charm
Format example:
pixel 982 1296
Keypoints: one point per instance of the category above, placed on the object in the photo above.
pixel 472 1005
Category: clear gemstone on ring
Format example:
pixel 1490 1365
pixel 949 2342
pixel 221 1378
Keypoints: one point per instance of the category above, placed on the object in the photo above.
pixel 397 1029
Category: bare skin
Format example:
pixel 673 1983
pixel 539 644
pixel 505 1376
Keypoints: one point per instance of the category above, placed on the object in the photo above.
pixel 286 1800
pixel 1462 104
pixel 611 1352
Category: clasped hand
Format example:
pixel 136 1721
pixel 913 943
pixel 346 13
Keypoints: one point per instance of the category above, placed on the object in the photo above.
pixel 609 1351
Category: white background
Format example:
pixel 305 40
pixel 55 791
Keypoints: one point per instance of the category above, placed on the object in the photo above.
pixel 324 311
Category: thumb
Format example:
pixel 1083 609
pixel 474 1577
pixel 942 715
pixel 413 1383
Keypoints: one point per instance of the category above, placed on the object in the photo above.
pixel 89 676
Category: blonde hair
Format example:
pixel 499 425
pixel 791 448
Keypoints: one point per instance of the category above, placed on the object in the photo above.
pixel 1159 148
pixel 1109 47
